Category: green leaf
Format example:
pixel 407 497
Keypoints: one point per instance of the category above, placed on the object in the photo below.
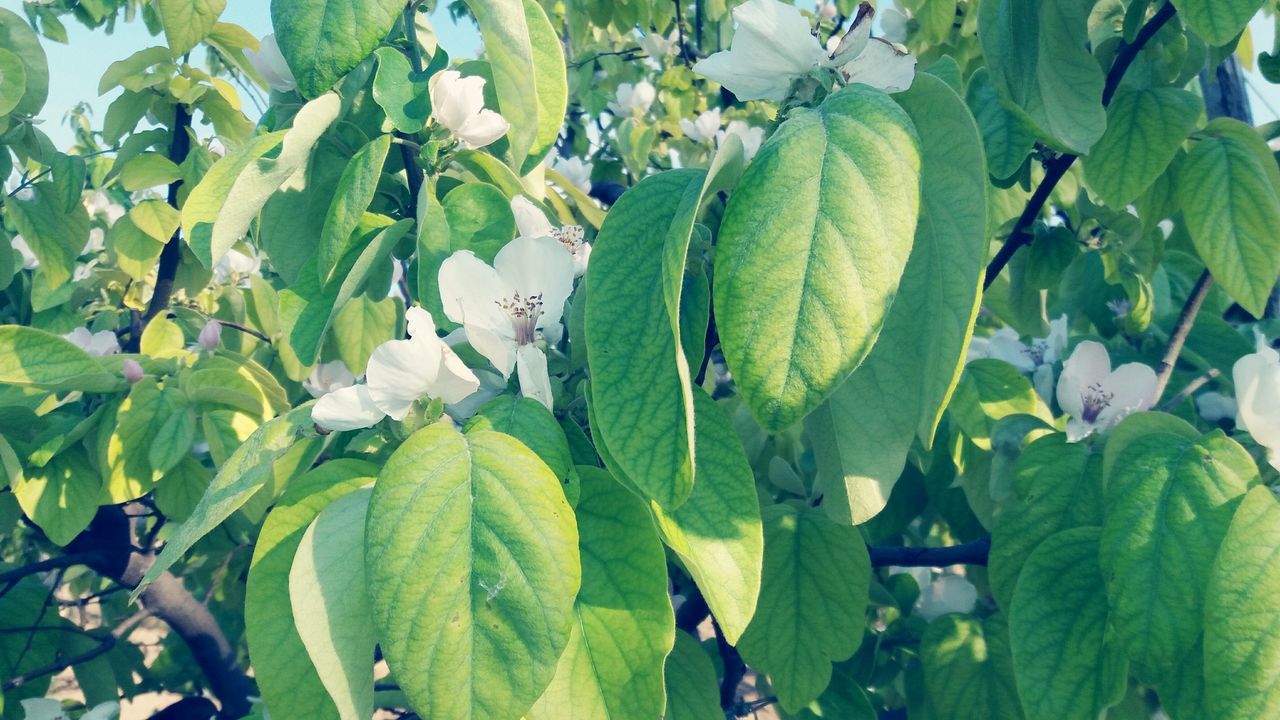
pixel 1217 21
pixel 1241 649
pixel 811 249
pixel 968 669
pixel 356 188
pixel 623 623
pixel 178 493
pixel 472 559
pixel 844 698
pixel 406 103
pixel 129 71
pixel 1037 53
pixel 692 691
pixel 1007 136
pixel 1058 632
pixel 135 250
pixel 530 422
pixel 242 475
pixel 187 22
pixel 862 433
pixel 717 532
pixel 1145 128
pixel 323 40
pixel 1058 487
pixel 17 37
pixel 328 592
pixel 812 603
pixel 287 680
pixel 1169 500
pixel 1229 194
pixel 13 81
pixel 35 358
pixel 361 327
pixel 54 232
pixel 988 391
pixel 528 74
pixel 172 441
pixel 645 417
pixel 148 170
pixel 479 219
pixel 207 198
pixel 61 497
pixel 138 423
pixel 156 218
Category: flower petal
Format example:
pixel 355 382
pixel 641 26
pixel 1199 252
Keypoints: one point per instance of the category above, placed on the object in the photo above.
pixel 531 370
pixel 482 129
pixel 350 408
pixel 530 220
pixel 538 265
pixel 882 66
pixel 1089 364
pixel 401 371
pixel 1131 388
pixel 454 380
pixel 470 292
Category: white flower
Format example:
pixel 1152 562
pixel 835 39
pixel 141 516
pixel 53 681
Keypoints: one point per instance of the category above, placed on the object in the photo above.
pixel 457 103
pixel 893 23
pixel 655 45
pixel 271 65
pixel 328 377
pixel 1095 397
pixel 703 128
pixel 634 99
pixel 1038 358
pixel 574 170
pixel 503 308
pixel 1214 406
pixel 860 58
pixel 491 386
pixel 532 222
pixel 399 373
pixel 96 242
pixel 751 137
pixel 210 335
pixel 1257 380
pixel 98 203
pixel 1004 344
pixel 29 259
pixel 949 593
pixel 97 344
pixel 772 46
pixel 235 266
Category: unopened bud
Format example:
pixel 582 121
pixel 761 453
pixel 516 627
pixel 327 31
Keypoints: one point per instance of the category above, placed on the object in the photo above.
pixel 210 334
pixel 132 370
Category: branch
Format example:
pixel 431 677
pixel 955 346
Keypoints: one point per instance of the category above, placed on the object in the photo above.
pixel 58 666
pixel 53 563
pixel 734 669
pixel 171 256
pixel 245 329
pixel 1057 168
pixel 1189 390
pixel 408 155
pixel 1180 331
pixel 972 553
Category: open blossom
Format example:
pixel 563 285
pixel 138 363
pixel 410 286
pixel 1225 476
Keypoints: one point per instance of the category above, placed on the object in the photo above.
pixel 774 46
pixel 98 203
pixel 457 103
pixel 328 377
pixel 1257 381
pixel 948 593
pixel 702 128
pixel 235 266
pixel 655 45
pixel 574 170
pixel 1214 407
pixel 751 137
pixel 1038 358
pixel 634 99
pixel 399 373
pixel 532 222
pixel 271 65
pixel 97 344
pixel 893 23
pixel 504 309
pixel 1097 398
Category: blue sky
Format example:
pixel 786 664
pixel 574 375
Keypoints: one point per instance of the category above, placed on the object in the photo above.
pixel 75 68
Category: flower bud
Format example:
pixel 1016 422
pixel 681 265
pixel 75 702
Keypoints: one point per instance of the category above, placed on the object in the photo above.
pixel 210 334
pixel 132 370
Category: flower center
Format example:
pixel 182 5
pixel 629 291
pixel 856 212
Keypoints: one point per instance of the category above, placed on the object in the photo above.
pixel 570 236
pixel 1095 401
pixel 524 313
pixel 1038 350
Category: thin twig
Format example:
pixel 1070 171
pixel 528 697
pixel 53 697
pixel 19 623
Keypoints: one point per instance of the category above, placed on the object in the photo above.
pixel 1189 390
pixel 244 329
pixel 1057 168
pixel 1178 337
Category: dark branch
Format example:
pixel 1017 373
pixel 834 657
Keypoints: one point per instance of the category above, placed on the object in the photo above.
pixel 734 669
pixel 53 563
pixel 171 256
pixel 1057 168
pixel 1178 338
pixel 972 553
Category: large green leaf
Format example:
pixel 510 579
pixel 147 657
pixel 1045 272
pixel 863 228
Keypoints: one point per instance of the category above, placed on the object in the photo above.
pixel 138 424
pixel 404 97
pixel 1007 136
pixel 1145 128
pixel 13 81
pixel 1037 54
pixel 717 532
pixel 862 433
pixel 355 191
pixel 472 560
pixel 1242 605
pixel 524 53
pixel 1169 500
pixel 207 198
pixel 18 37
pixel 1058 632
pixel 286 679
pixel 322 40
pixel 530 422
pixel 1058 487
pixel 330 601
pixel 692 692
pixel 645 408
pixel 1217 21
pixel 1229 191
pixel 968 669
pixel 239 478
pixel 479 219
pixel 812 603
pixel 187 22
pixel 624 626
pixel 61 497
pixel 811 249
pixel 55 232
pixel 35 358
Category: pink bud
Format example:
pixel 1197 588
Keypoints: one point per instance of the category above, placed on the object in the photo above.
pixel 210 334
pixel 132 370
